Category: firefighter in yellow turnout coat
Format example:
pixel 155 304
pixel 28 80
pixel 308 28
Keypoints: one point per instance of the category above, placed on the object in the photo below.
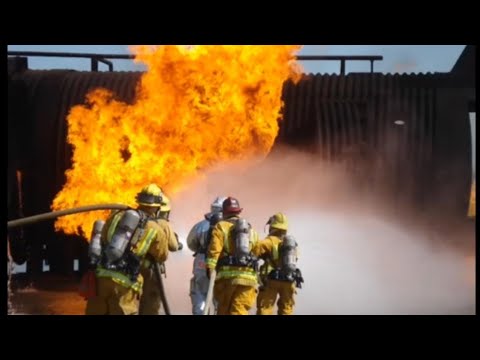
pixel 229 253
pixel 119 282
pixel 279 273
pixel 150 301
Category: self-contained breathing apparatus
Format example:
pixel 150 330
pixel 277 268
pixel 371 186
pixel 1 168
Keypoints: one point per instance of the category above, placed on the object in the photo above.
pixel 95 246
pixel 206 235
pixel 288 270
pixel 118 254
pixel 241 233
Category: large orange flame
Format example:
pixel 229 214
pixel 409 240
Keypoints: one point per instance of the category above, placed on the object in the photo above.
pixel 196 106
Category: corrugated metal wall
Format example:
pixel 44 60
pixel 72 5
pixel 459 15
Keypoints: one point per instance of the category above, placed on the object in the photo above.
pixel 46 154
pixel 343 118
pixel 352 116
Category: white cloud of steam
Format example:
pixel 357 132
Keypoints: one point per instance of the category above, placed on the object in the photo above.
pixel 354 260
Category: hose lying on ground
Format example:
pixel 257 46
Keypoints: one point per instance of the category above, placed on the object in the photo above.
pixel 54 214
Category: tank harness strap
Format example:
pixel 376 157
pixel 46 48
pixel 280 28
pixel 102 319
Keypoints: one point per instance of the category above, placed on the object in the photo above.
pixel 119 278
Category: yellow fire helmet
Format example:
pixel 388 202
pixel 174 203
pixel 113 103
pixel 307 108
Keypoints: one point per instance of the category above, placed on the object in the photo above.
pixel 150 195
pixel 278 221
pixel 165 204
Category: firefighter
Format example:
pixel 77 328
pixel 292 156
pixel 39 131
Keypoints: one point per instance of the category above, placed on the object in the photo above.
pixel 163 219
pixel 127 237
pixel 198 240
pixel 229 253
pixel 279 274
pixel 150 301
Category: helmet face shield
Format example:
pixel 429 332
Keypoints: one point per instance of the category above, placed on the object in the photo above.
pixel 150 195
pixel 149 199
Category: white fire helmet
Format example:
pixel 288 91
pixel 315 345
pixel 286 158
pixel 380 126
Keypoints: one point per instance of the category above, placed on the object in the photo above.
pixel 217 204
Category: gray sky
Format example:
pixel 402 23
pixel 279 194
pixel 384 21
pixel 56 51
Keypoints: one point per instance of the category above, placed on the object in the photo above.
pixel 396 58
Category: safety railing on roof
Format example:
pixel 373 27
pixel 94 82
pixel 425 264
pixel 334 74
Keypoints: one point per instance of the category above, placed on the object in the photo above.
pixel 102 58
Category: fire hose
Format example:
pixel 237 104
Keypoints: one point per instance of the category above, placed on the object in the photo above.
pixel 158 272
pixel 54 214
pixel 208 301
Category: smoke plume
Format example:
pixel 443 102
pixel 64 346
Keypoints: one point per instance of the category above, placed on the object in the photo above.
pixel 356 256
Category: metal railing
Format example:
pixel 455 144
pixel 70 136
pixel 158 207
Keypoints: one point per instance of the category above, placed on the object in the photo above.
pixel 96 58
